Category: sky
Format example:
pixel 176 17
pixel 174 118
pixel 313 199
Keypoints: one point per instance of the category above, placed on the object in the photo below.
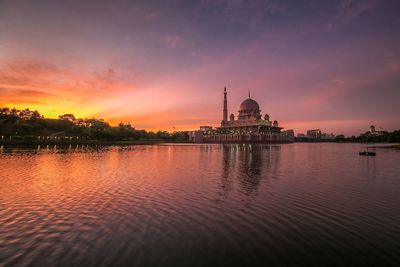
pixel 162 65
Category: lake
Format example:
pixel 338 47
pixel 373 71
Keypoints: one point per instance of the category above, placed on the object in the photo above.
pixel 200 205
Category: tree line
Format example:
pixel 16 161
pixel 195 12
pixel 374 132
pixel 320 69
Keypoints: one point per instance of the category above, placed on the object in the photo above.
pixel 25 124
pixel 368 137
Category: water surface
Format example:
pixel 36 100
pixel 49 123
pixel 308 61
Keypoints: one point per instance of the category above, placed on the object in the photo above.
pixel 200 205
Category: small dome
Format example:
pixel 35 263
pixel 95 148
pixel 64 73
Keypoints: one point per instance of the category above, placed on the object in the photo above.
pixel 249 104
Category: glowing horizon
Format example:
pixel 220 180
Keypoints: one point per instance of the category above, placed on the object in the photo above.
pixel 333 66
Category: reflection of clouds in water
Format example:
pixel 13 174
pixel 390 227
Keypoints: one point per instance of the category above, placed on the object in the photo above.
pixel 249 164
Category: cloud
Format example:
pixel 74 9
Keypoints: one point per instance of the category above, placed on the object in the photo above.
pixel 151 16
pixel 345 3
pixel 302 60
pixel 48 77
pixel 350 10
pixel 241 12
pixel 58 88
pixel 103 80
pixel 15 92
pixel 12 95
pixel 173 41
pixel 26 72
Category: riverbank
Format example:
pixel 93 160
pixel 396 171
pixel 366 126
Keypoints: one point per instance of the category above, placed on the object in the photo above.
pixel 22 143
pixel 395 146
pixel 382 145
pixel 78 142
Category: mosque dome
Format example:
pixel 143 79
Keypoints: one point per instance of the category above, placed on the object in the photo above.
pixel 249 104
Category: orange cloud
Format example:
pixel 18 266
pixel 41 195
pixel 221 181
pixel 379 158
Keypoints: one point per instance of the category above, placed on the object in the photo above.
pixel 55 90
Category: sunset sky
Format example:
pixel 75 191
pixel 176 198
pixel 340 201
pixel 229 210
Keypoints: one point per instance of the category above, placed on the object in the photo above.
pixel 333 65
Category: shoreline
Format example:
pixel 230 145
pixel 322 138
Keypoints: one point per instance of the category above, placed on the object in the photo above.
pixel 396 146
pixel 77 142
pixel 159 141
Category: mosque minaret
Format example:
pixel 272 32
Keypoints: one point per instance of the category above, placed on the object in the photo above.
pixel 225 115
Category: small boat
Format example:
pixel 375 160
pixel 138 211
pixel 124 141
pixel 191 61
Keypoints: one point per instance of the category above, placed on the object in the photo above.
pixel 367 153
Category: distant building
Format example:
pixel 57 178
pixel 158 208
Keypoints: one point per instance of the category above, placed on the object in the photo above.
pixel 373 131
pixel 314 134
pixel 206 128
pixel 249 119
pixel 196 136
pixel 250 126
pixel 328 137
pixel 288 133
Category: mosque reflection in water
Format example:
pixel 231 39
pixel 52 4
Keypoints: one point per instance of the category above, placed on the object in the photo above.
pixel 248 165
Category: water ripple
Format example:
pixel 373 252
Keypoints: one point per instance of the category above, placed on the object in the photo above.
pixel 217 205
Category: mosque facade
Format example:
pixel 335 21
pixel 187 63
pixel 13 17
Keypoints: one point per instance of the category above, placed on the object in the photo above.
pixel 249 126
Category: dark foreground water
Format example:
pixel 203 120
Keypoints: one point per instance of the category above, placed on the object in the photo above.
pixel 201 205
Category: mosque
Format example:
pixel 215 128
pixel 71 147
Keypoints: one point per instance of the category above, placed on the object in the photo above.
pixel 249 126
